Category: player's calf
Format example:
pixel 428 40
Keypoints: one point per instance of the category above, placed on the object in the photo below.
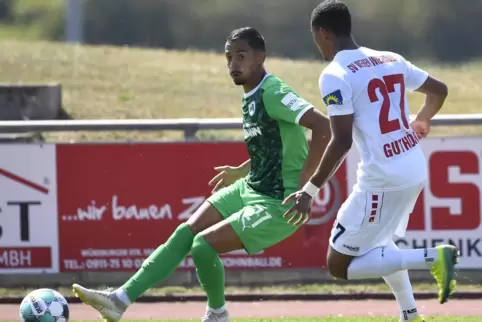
pixel 399 283
pixel 207 245
pixel 384 261
pixel 167 257
pixel 210 272
pixel 401 287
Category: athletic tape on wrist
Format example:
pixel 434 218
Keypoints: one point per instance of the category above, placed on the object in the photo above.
pixel 311 189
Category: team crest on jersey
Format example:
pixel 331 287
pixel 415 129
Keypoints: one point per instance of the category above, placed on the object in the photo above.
pixel 252 108
pixel 334 98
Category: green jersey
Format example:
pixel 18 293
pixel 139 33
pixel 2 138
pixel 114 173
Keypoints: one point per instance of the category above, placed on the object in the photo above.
pixel 277 145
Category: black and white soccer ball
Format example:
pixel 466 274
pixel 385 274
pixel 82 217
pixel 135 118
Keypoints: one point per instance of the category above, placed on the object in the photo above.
pixel 44 305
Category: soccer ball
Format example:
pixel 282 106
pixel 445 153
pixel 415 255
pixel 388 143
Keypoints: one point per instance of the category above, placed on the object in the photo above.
pixel 44 305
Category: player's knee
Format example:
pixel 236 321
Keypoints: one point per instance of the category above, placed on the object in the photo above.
pixel 197 244
pixel 337 266
pixel 337 271
pixel 195 228
pixel 205 217
pixel 201 249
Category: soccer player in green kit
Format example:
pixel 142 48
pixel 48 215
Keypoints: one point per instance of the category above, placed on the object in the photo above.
pixel 245 211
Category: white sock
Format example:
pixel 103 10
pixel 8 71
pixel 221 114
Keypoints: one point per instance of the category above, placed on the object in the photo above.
pixel 384 261
pixel 399 283
pixel 222 309
pixel 122 296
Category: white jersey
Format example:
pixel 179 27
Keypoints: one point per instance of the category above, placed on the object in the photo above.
pixel 372 86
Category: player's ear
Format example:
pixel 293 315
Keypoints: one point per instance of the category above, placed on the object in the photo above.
pixel 260 56
pixel 319 35
pixel 325 34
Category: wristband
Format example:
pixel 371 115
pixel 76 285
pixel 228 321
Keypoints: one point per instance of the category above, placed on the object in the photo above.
pixel 310 189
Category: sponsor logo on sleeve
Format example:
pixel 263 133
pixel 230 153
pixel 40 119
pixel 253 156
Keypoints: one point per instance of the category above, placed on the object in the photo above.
pixel 294 102
pixel 334 98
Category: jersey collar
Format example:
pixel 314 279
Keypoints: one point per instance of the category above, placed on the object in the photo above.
pixel 348 51
pixel 251 92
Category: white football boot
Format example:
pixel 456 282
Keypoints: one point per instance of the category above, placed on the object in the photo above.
pixel 105 302
pixel 210 316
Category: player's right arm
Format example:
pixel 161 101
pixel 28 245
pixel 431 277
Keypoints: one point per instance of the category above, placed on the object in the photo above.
pixel 418 80
pixel 228 175
pixel 338 98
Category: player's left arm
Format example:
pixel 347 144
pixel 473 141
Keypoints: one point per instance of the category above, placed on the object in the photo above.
pixel 291 108
pixel 418 80
pixel 337 95
pixel 338 98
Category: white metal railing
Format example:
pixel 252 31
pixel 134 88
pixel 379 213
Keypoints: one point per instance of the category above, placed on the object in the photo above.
pixel 188 126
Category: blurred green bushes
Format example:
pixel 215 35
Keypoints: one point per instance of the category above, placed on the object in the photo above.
pixel 443 30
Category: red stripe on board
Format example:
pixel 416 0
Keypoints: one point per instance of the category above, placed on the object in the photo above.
pixel 24 181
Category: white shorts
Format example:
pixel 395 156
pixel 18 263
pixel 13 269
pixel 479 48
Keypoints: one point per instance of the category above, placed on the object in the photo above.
pixel 368 220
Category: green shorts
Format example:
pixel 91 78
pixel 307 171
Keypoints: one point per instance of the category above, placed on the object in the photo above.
pixel 256 218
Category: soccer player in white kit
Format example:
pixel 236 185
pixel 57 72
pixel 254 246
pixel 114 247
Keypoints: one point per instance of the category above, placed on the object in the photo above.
pixel 365 94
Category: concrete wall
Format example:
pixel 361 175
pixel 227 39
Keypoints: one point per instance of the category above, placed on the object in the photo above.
pixel 32 102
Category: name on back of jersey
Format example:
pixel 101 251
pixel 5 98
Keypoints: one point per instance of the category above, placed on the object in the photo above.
pixel 400 146
pixel 370 61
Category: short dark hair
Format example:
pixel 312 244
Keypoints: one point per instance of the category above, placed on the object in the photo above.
pixel 334 16
pixel 249 34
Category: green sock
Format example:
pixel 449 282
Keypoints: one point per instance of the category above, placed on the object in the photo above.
pixel 210 271
pixel 161 263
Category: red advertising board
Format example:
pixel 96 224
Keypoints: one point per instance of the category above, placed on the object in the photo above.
pixel 118 202
pixel 450 209
pixel 25 258
pixel 105 207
